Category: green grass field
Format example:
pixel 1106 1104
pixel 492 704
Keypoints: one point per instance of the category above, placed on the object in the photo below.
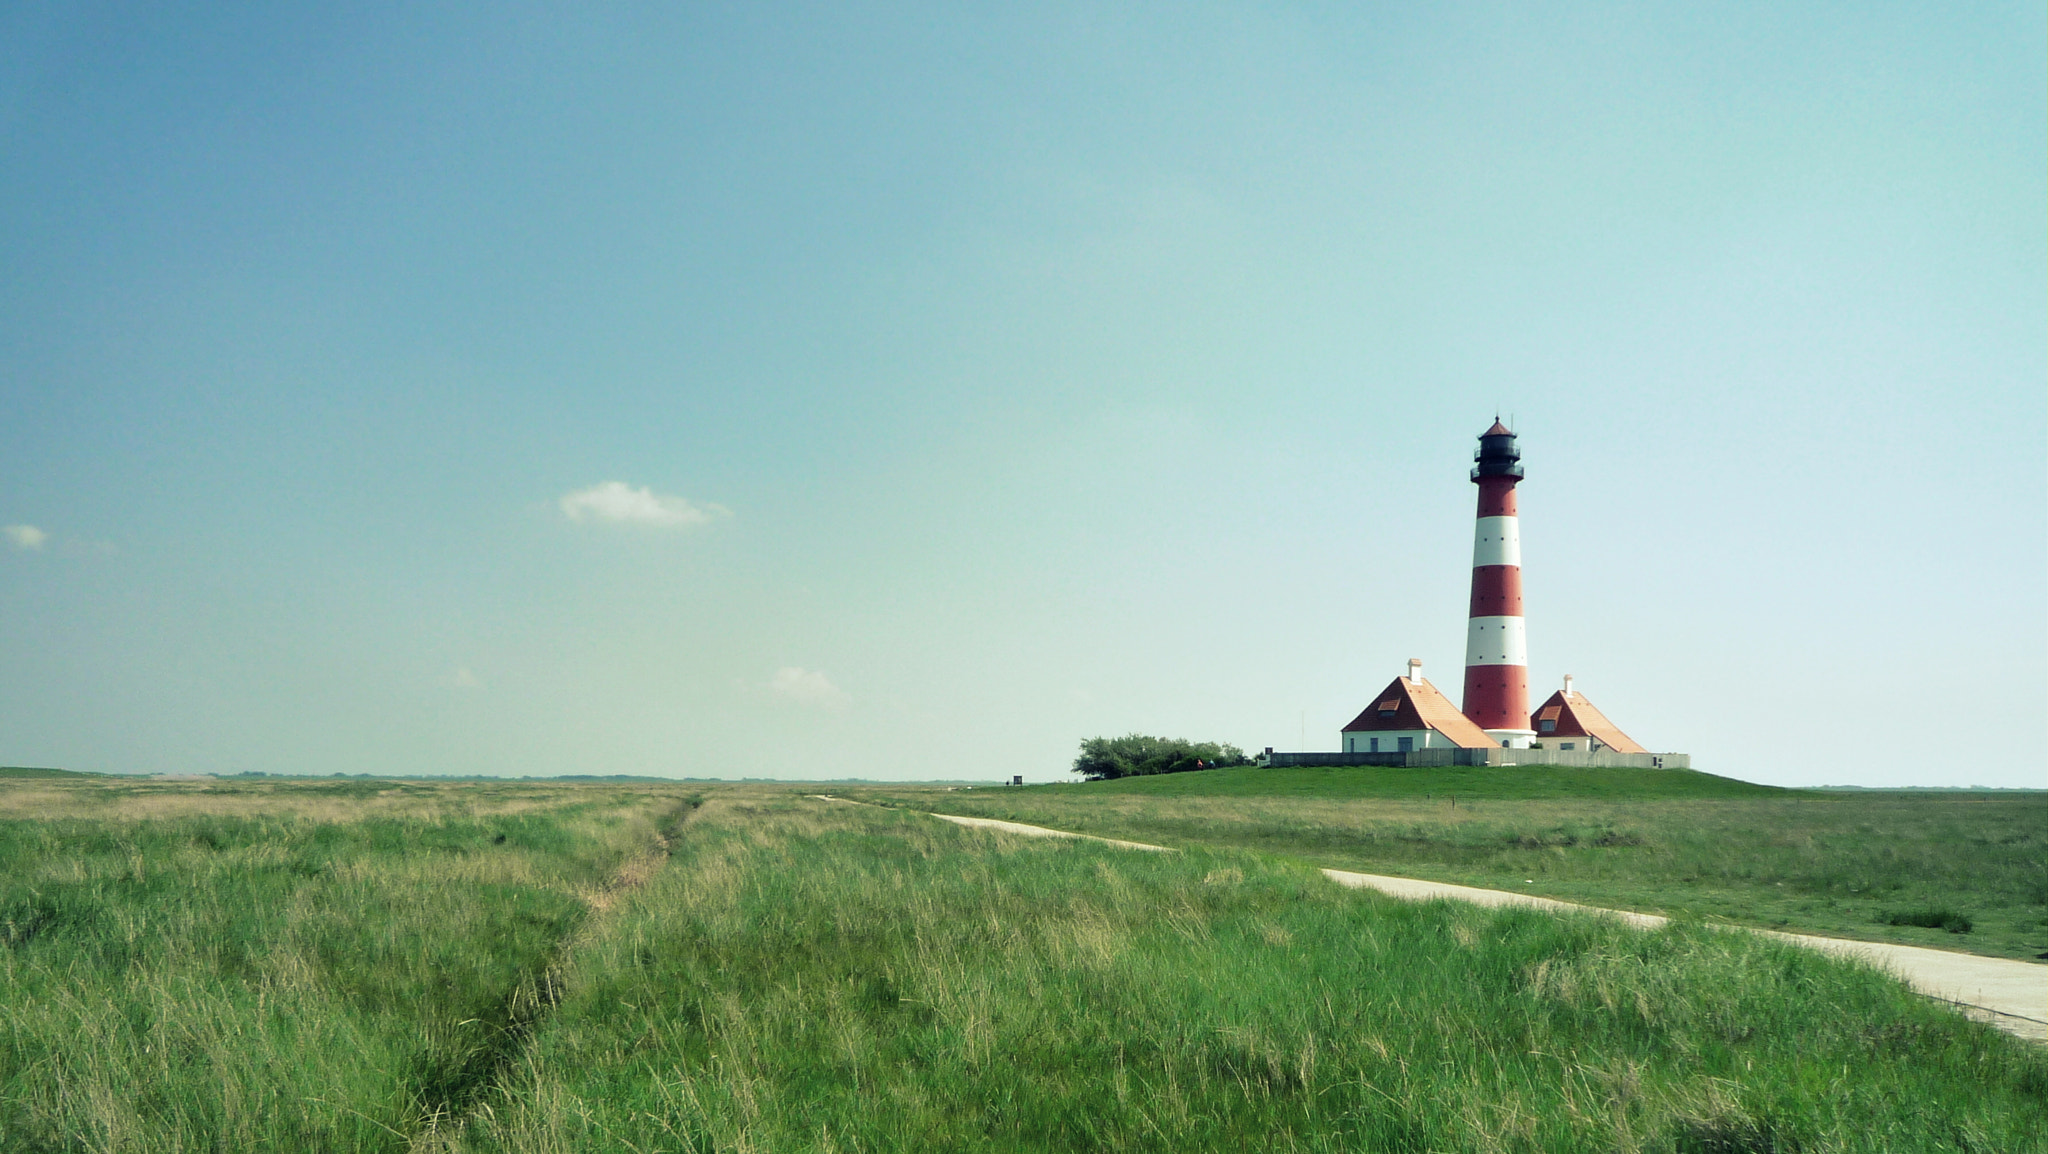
pixel 1658 841
pixel 380 966
pixel 317 967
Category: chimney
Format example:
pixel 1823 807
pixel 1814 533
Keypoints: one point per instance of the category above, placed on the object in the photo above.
pixel 1567 685
pixel 1415 669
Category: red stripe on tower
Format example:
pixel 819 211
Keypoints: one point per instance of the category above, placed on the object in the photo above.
pixel 1496 646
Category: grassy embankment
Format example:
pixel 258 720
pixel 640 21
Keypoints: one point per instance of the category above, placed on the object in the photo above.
pixel 366 967
pixel 1664 841
pixel 322 966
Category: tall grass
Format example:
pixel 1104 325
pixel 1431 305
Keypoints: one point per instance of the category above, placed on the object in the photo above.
pixel 809 977
pixel 1828 863
pixel 359 967
pixel 207 982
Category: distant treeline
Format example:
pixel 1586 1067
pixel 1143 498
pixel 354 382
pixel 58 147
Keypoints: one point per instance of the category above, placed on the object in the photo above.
pixel 1134 755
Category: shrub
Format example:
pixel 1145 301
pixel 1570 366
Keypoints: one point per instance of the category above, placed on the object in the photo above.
pixel 1933 918
pixel 1135 754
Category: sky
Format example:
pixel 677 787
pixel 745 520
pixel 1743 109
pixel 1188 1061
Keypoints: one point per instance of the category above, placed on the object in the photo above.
pixel 912 392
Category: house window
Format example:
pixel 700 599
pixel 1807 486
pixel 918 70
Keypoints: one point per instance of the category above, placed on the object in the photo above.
pixel 1375 745
pixel 1567 745
pixel 1407 745
pixel 1350 744
pixel 1547 725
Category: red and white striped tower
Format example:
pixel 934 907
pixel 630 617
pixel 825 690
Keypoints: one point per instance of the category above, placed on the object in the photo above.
pixel 1496 648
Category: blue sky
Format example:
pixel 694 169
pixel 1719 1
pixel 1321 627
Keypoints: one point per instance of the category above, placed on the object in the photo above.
pixel 801 392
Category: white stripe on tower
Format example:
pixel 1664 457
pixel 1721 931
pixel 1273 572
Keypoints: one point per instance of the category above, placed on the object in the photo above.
pixel 1496 644
pixel 1496 641
pixel 1498 541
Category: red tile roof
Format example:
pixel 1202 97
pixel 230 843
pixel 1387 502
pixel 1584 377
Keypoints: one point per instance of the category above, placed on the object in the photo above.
pixel 1419 705
pixel 1576 717
pixel 1498 430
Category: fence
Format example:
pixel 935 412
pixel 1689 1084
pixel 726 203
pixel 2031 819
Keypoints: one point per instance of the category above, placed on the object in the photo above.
pixel 1571 758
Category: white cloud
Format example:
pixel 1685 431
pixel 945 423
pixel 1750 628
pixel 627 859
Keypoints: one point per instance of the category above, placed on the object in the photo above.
pixel 808 687
pixel 24 536
pixel 620 503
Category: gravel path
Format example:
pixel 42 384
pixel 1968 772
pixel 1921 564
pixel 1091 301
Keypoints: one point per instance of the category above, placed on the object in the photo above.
pixel 1041 831
pixel 2009 994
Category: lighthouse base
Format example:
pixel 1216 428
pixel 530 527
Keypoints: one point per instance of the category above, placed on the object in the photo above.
pixel 1513 738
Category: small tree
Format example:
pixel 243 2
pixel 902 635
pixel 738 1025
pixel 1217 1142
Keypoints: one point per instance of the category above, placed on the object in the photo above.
pixel 1135 754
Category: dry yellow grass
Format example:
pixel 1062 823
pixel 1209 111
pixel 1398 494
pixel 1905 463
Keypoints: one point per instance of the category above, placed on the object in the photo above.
pixel 312 799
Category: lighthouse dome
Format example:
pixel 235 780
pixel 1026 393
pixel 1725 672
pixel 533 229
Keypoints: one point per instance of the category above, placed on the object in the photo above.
pixel 1497 454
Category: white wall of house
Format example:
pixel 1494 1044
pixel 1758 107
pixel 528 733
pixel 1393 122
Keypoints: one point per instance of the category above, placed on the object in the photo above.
pixel 1581 744
pixel 1390 741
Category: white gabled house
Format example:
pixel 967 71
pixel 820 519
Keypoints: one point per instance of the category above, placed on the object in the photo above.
pixel 1411 714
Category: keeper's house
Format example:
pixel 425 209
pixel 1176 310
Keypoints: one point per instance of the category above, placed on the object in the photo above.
pixel 1568 721
pixel 1411 714
pixel 1410 723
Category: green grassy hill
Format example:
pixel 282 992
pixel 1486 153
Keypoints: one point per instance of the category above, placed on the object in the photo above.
pixel 19 771
pixel 1343 783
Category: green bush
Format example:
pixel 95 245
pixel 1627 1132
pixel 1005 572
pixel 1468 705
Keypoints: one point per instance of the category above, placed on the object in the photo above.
pixel 1135 754
pixel 1932 918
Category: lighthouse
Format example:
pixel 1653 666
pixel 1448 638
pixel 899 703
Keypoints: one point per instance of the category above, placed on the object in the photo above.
pixel 1496 647
pixel 1412 723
